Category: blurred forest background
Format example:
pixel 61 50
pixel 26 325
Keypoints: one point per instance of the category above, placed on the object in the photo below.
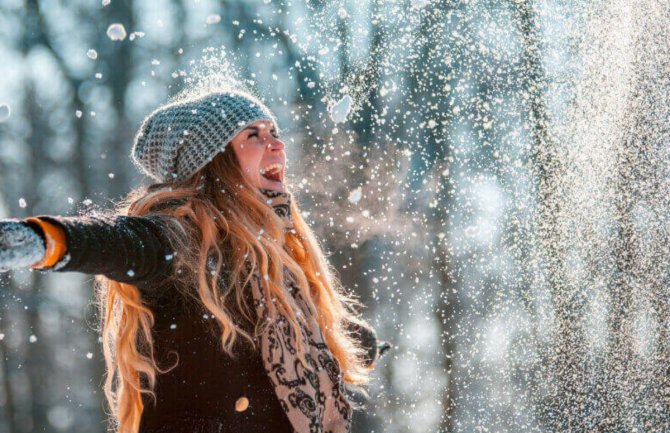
pixel 490 177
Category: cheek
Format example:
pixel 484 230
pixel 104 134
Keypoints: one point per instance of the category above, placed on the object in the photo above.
pixel 249 158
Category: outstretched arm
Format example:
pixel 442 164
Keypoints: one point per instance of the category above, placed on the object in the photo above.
pixel 128 249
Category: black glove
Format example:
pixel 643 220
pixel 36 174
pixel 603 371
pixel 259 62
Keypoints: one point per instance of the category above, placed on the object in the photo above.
pixel 383 346
pixel 22 244
pixel 368 339
pixel 366 335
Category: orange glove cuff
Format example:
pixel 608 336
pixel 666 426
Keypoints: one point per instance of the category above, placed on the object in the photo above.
pixel 55 243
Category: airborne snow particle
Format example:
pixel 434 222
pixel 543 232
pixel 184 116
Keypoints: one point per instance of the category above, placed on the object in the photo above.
pixel 420 4
pixel 5 112
pixel 342 13
pixel 134 35
pixel 131 273
pixel 106 2
pixel 213 19
pixel 22 202
pixel 78 113
pixel 33 338
pixel 471 231
pixel 111 175
pixel 89 355
pixel 355 195
pixel 92 54
pixel 341 109
pixel 116 32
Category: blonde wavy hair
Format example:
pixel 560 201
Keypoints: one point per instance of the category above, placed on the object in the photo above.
pixel 220 214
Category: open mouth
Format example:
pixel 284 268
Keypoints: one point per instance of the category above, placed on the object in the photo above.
pixel 272 172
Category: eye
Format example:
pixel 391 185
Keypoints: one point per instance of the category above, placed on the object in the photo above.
pixel 255 134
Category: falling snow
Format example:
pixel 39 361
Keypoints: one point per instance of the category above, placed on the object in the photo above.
pixel 340 110
pixel 491 178
pixel 116 32
pixel 213 19
pixel 355 195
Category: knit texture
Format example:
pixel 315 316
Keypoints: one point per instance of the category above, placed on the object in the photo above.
pixel 21 244
pixel 178 139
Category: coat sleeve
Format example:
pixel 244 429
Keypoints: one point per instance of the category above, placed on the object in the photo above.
pixel 127 249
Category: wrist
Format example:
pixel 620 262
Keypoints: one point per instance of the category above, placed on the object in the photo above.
pixel 54 241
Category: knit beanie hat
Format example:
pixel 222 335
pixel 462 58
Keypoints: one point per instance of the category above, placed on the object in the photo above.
pixel 180 138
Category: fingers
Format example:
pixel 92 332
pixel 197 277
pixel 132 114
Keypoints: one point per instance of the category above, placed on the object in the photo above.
pixel 384 347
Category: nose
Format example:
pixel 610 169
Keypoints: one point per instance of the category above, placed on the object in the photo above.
pixel 275 144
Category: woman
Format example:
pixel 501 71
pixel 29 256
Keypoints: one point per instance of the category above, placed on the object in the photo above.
pixel 219 312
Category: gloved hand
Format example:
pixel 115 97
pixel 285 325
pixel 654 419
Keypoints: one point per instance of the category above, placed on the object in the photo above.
pixel 369 340
pixel 358 395
pixel 22 244
pixel 383 347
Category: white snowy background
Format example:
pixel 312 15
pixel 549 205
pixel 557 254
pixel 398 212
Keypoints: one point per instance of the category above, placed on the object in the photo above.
pixel 490 177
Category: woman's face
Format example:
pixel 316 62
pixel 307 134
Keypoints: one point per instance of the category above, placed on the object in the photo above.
pixel 261 155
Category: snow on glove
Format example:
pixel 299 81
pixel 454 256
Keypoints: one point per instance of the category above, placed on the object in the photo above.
pixel 21 244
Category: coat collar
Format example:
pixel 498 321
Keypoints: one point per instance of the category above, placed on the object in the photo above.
pixel 280 201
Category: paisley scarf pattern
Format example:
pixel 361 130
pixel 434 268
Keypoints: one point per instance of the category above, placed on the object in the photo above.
pixel 314 401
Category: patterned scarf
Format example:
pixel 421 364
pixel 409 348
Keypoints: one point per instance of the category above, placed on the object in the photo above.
pixel 315 402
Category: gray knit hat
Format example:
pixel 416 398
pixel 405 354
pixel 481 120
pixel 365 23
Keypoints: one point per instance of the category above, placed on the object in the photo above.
pixel 179 138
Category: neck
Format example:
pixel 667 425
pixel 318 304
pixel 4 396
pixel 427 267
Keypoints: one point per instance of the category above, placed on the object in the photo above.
pixel 280 202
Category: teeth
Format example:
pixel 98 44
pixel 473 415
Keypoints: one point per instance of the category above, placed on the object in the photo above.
pixel 270 168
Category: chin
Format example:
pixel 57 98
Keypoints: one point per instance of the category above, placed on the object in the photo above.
pixel 276 186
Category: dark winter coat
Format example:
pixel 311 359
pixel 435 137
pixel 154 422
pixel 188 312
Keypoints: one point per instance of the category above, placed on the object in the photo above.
pixel 199 395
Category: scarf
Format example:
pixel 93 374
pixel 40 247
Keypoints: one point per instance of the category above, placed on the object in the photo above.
pixel 315 402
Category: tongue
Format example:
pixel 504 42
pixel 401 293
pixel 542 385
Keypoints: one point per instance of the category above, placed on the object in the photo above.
pixel 272 176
